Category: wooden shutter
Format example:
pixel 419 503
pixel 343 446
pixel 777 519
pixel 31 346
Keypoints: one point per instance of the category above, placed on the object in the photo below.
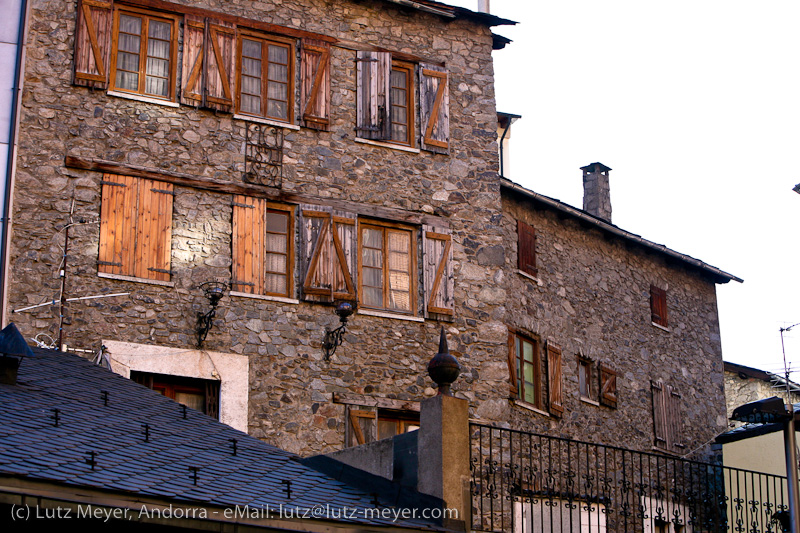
pixel 674 421
pixel 434 108
pixel 154 230
pixel 608 386
pixel 344 256
pixel 660 426
pixel 658 306
pixel 361 425
pixel 554 382
pixel 315 84
pixel 512 366
pixel 315 252
pixel 92 43
pixel 209 63
pixel 437 271
pixel 373 72
pixel 526 248
pixel 117 225
pixel 212 398
pixel 194 32
pixel 249 231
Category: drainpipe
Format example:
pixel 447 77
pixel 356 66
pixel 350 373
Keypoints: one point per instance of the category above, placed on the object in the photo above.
pixel 502 138
pixel 8 185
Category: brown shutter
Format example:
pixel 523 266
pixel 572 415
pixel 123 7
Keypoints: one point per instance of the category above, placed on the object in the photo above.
pixel 554 382
pixel 658 305
pixel 154 230
pixel 194 31
pixel 434 108
pixel 344 256
pixel 220 65
pixel 92 43
pixel 315 253
pixel 608 387
pixel 315 84
pixel 526 248
pixel 249 232
pixel 362 426
pixel 212 398
pixel 512 366
pixel 373 71
pixel 660 426
pixel 437 271
pixel 674 421
pixel 117 225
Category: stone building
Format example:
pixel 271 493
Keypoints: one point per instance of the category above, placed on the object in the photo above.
pixel 299 153
pixel 744 384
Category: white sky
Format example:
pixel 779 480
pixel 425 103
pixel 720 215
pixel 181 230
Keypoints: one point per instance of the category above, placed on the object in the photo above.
pixel 695 105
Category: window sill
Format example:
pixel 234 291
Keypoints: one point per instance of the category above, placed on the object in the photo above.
pixel 530 407
pixel 388 145
pixel 590 401
pixel 136 280
pixel 140 98
pixel 530 277
pixel 659 326
pixel 267 121
pixel 382 314
pixel 265 297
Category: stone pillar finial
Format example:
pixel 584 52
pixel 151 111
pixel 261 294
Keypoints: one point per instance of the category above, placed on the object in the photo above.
pixel 444 368
pixel 597 191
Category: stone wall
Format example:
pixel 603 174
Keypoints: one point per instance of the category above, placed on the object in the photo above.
pixel 740 390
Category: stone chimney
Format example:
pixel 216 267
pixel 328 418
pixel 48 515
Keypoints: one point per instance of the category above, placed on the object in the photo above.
pixel 483 6
pixel 596 191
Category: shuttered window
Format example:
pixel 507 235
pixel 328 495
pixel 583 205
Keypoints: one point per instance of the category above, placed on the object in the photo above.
pixel 365 425
pixel 586 383
pixel 526 248
pixel 328 254
pixel 135 227
pixel 209 63
pixel 387 267
pixel 93 43
pixel 265 77
pixel 554 382
pixel 315 84
pixel 263 247
pixel 437 271
pixel 434 102
pixel 667 422
pixel 526 370
pixel 144 53
pixel 401 103
pixel 658 306
pixel 608 386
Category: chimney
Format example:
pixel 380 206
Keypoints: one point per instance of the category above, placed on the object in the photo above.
pixel 483 6
pixel 13 349
pixel 596 191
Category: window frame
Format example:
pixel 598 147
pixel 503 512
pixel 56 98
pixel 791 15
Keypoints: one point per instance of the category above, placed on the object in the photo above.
pixel 409 69
pixel 526 249
pixel 385 228
pixel 516 352
pixel 585 363
pixel 174 21
pixel 658 306
pixel 266 40
pixel 168 385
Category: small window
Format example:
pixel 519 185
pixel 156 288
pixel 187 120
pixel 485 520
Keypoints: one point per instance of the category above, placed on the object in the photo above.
pixel 143 59
pixel 526 248
pixel 391 423
pixel 526 372
pixel 366 425
pixel 198 394
pixel 658 306
pixel 387 261
pixel 401 103
pixel 266 77
pixel 586 379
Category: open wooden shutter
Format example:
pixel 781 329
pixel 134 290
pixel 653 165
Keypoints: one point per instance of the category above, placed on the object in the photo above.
pixel 658 306
pixel 315 253
pixel 434 108
pixel 554 382
pixel 92 43
pixel 117 225
pixel 608 386
pixel 438 278
pixel 194 32
pixel 526 248
pixel 373 70
pixel 249 230
pixel 315 84
pixel 362 426
pixel 660 426
pixel 512 367
pixel 344 256
pixel 154 230
pixel 674 421
pixel 209 63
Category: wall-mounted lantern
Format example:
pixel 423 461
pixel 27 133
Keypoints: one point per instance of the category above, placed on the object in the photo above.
pixel 333 337
pixel 214 291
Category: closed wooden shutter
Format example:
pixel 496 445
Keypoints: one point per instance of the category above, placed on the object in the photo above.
pixel 249 230
pixel 512 366
pixel 154 231
pixel 658 306
pixel 209 63
pixel 361 426
pixel 554 381
pixel 118 225
pixel 608 387
pixel 526 248
pixel 194 32
pixel 373 71
pixel 315 84
pixel 674 420
pixel 434 107
pixel 315 252
pixel 344 256
pixel 660 426
pixel 437 271
pixel 212 398
pixel 92 43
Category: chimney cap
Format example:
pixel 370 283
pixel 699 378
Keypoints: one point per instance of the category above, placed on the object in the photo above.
pixel 596 167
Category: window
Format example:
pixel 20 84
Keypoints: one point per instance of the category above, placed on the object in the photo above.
pixel 658 306
pixel 387 267
pixel 667 422
pixel 266 77
pixel 367 425
pixel 585 379
pixel 608 386
pixel 401 103
pixel 535 380
pixel 263 247
pixel 526 248
pixel 553 515
pixel 198 394
pixel 135 228
pixel 143 59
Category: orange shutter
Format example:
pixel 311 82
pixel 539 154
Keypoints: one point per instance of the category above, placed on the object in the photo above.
pixel 194 31
pixel 373 72
pixel 249 230
pixel 315 84
pixel 438 278
pixel 117 225
pixel 220 65
pixel 512 366
pixel 154 230
pixel 526 248
pixel 434 107
pixel 658 305
pixel 608 387
pixel 554 382
pixel 92 43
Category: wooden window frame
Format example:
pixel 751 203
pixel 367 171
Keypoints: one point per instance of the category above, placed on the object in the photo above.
pixel 588 364
pixel 387 227
pixel 526 236
pixel 146 15
pixel 266 40
pixel 518 374
pixel 408 69
pixel 658 306
pixel 402 420
pixel 168 385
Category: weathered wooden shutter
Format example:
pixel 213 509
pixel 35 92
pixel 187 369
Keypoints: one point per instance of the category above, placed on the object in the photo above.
pixel 674 421
pixel 249 231
pixel 344 256
pixel 660 426
pixel 362 426
pixel 154 230
pixel 526 248
pixel 212 398
pixel 608 386
pixel 92 43
pixel 658 305
pixel 372 100
pixel 315 84
pixel 315 253
pixel 434 108
pixel 209 63
pixel 554 382
pixel 194 32
pixel 117 225
pixel 437 271
pixel 512 366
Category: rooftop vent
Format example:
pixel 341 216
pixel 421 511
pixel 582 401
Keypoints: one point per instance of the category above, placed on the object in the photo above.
pixel 13 349
pixel 597 191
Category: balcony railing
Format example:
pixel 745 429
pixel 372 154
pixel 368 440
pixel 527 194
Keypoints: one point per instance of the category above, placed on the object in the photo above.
pixel 524 482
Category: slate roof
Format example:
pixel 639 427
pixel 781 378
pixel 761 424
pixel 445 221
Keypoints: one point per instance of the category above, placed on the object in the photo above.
pixel 34 447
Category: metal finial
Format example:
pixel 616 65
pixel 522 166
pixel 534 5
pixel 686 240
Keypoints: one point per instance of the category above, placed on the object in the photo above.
pixel 444 368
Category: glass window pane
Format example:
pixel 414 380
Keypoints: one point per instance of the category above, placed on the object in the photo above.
pixel 251 48
pixel 279 73
pixel 399 300
pixel 278 110
pixel 527 351
pixel 528 373
pixel 529 394
pixel 129 24
pixel 251 86
pixel 276 243
pixel 372 238
pixel 192 400
pixel 373 296
pixel 277 222
pixel 399 133
pixel 276 283
pixel 252 67
pixel 399 114
pixel 159 49
pixel 276 263
pixel 386 429
pixel 159 30
pixel 251 104
pixel 399 242
pixel 372 277
pixel 126 61
pixel 372 258
pixel 158 67
pixel 278 54
pixel 398 78
pixel 127 80
pixel 157 86
pixel 129 43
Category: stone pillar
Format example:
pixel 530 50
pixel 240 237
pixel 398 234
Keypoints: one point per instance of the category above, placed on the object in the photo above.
pixel 597 191
pixel 443 449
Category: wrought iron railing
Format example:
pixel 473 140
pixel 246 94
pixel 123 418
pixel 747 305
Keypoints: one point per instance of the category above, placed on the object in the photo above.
pixel 524 482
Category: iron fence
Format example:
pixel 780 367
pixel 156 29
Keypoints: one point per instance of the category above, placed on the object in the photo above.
pixel 524 482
